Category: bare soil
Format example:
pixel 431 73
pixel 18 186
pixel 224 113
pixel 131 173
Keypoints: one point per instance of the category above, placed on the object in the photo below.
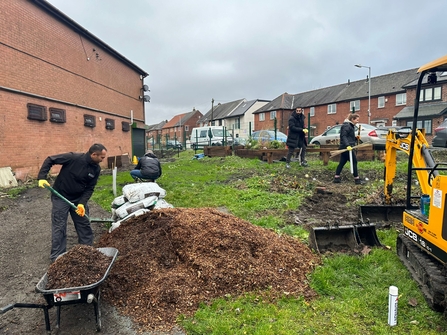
pixel 169 260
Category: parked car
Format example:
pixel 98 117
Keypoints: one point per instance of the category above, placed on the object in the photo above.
pixel 368 134
pixel 240 141
pixel 174 145
pixel 440 138
pixel 268 135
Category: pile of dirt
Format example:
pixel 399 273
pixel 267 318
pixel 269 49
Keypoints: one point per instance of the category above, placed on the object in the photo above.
pixel 81 266
pixel 181 257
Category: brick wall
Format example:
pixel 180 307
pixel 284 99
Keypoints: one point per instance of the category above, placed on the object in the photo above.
pixel 45 62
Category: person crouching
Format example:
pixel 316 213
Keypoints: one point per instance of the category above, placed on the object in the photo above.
pixel 148 167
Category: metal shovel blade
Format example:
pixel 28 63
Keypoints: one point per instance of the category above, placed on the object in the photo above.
pixel 335 239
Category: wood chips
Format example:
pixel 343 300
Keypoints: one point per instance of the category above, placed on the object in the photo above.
pixel 82 265
pixel 172 259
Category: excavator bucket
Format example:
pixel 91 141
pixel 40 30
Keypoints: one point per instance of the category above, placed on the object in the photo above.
pixel 379 213
pixel 367 235
pixel 335 238
pixel 343 238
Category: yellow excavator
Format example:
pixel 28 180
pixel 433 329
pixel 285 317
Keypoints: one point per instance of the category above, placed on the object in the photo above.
pixel 422 246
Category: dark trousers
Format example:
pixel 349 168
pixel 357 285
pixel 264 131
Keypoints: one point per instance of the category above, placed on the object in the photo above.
pixel 59 216
pixel 344 158
pixel 300 155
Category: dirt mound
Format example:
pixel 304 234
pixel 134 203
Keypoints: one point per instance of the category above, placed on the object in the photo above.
pixel 180 257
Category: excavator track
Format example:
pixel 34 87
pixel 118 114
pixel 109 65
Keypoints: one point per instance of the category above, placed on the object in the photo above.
pixel 426 271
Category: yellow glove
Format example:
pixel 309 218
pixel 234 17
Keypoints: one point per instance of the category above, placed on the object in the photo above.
pixel 349 148
pixel 305 131
pixel 81 210
pixel 43 183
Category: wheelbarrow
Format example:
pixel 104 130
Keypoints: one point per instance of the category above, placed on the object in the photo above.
pixel 67 296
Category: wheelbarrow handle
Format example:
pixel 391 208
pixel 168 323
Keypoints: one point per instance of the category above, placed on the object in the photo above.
pixel 6 308
pixel 72 205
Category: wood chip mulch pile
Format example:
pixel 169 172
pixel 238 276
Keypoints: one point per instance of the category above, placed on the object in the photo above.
pixel 172 259
pixel 82 265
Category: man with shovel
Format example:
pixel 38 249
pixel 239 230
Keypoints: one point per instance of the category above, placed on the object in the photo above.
pixel 347 141
pixel 74 185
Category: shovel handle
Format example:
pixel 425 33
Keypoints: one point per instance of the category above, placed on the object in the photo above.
pixel 72 205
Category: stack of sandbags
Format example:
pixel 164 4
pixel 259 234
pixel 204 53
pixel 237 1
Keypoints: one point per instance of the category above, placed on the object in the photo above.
pixel 137 199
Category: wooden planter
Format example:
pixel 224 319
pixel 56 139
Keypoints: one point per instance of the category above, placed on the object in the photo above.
pixel 217 151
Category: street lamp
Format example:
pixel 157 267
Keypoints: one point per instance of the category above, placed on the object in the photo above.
pixel 369 90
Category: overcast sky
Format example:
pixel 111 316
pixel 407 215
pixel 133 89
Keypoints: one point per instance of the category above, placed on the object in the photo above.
pixel 199 50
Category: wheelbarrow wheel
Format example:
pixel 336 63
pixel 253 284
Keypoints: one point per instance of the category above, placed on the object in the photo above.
pixel 98 312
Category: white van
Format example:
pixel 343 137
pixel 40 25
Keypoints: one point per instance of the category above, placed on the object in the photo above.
pixel 210 135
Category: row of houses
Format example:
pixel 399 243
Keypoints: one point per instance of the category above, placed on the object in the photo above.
pixel 390 102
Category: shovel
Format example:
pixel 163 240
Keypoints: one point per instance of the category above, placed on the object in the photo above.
pixel 72 205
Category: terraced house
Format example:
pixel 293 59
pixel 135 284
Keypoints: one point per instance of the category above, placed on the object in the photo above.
pixel 391 103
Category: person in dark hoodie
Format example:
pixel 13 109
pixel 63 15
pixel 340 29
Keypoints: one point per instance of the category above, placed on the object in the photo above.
pixel 296 138
pixel 347 141
pixel 76 182
pixel 148 167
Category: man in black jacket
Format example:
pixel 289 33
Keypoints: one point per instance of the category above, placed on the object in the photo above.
pixel 148 167
pixel 296 138
pixel 76 182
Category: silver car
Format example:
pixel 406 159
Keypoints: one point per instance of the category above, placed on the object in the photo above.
pixel 368 134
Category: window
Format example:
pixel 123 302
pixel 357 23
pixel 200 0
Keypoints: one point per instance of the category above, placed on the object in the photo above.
pixel 110 124
pixel 354 105
pixel 125 126
pixel 237 124
pixel 37 112
pixel 332 109
pixel 312 111
pixel 261 116
pixel 381 102
pixel 430 94
pixel 272 115
pixel 89 120
pixel 401 99
pixel 394 123
pixel 422 124
pixel 57 115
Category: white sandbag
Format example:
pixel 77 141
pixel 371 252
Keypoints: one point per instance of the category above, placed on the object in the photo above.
pixel 118 201
pixel 138 191
pixel 129 208
pixel 133 215
pixel 162 203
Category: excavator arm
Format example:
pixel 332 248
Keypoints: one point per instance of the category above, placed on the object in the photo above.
pixel 423 161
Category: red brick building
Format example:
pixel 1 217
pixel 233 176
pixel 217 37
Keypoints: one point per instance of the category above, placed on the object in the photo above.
pixel 62 89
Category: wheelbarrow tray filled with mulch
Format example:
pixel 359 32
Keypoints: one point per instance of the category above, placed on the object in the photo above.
pixel 64 268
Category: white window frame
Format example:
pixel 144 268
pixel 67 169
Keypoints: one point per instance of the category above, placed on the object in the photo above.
pixel 427 124
pixel 261 116
pixel 332 108
pixel 381 102
pixel 401 99
pixel 272 115
pixel 355 104
pixel 312 111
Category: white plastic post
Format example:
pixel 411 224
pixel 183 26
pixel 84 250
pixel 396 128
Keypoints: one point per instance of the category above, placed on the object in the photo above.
pixel 350 162
pixel 392 305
